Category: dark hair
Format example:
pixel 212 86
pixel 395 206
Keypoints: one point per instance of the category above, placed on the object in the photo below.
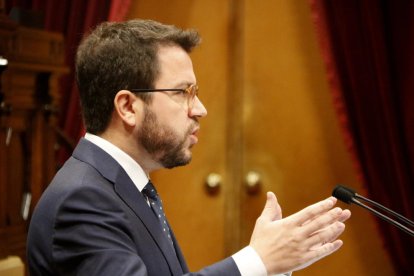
pixel 121 55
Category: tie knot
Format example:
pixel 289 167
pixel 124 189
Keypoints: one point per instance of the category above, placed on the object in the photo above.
pixel 150 191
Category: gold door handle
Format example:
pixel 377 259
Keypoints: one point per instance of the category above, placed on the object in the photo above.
pixel 213 183
pixel 252 182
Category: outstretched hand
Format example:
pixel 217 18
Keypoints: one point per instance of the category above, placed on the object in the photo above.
pixel 299 240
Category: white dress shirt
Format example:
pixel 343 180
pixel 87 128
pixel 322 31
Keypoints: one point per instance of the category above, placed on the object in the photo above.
pixel 247 260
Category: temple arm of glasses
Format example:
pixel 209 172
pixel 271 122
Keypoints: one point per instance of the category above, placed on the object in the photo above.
pixel 154 90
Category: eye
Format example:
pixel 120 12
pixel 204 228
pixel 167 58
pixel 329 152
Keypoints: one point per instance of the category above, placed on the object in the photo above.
pixel 180 93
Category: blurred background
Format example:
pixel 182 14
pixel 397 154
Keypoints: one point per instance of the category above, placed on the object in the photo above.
pixel 302 95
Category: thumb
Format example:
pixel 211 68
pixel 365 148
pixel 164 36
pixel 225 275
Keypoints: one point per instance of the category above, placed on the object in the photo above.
pixel 272 210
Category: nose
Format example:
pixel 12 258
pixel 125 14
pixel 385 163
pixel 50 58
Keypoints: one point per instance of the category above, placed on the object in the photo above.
pixel 198 110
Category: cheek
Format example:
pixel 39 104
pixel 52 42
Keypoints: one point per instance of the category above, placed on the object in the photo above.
pixel 174 122
pixel 175 118
pixel 169 114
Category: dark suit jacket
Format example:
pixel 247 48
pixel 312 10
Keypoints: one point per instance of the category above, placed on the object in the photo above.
pixel 92 220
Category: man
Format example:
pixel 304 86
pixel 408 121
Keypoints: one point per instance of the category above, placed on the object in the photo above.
pixel 101 216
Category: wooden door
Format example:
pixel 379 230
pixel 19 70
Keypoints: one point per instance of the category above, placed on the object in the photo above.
pixel 197 215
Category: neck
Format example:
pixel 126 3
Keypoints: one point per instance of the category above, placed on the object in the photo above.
pixel 133 148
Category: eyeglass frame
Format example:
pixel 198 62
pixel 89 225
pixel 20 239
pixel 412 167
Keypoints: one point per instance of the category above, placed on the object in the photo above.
pixel 187 91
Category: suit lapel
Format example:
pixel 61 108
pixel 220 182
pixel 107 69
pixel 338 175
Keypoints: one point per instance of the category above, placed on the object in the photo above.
pixel 179 253
pixel 127 191
pixel 145 214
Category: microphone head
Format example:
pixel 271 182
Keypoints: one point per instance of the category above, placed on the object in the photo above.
pixel 343 194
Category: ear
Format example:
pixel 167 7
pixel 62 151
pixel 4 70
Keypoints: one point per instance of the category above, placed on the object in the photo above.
pixel 126 106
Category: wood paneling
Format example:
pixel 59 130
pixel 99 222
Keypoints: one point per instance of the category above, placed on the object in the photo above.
pixel 29 97
pixel 203 236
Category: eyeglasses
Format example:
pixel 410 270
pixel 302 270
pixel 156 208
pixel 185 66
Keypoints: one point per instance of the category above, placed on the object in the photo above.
pixel 182 97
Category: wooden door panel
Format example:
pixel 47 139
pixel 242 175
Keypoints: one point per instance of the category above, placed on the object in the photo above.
pixel 197 217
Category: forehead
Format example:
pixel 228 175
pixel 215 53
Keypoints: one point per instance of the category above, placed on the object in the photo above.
pixel 175 67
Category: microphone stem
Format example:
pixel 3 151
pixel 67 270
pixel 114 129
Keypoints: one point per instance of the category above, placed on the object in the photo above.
pixel 379 206
pixel 384 217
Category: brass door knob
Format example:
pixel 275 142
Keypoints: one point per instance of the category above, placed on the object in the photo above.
pixel 252 182
pixel 213 183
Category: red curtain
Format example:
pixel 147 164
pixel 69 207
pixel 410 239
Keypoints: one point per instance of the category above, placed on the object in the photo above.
pixel 368 49
pixel 72 18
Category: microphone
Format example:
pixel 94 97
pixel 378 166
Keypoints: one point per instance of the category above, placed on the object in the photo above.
pixel 349 196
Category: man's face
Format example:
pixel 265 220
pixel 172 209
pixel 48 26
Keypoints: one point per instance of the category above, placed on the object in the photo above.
pixel 169 127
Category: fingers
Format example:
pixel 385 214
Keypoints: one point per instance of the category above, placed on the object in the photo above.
pixel 312 211
pixel 326 235
pixel 346 214
pixel 272 210
pixel 321 225
pixel 323 251
pixel 323 221
pixel 335 216
pixel 317 253
pixel 299 240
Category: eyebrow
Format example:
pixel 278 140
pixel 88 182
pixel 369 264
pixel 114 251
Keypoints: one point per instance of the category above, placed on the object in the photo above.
pixel 181 84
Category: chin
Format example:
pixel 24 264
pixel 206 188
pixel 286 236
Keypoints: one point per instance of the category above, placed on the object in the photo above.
pixel 177 161
pixel 178 164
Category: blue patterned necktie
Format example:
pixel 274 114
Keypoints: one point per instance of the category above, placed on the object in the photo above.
pixel 156 205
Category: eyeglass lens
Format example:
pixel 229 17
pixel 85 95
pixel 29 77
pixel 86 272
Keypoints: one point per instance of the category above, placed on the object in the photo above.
pixel 192 93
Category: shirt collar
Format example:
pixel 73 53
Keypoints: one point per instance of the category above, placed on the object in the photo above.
pixel 131 167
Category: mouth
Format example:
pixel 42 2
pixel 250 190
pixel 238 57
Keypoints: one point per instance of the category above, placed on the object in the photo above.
pixel 193 136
